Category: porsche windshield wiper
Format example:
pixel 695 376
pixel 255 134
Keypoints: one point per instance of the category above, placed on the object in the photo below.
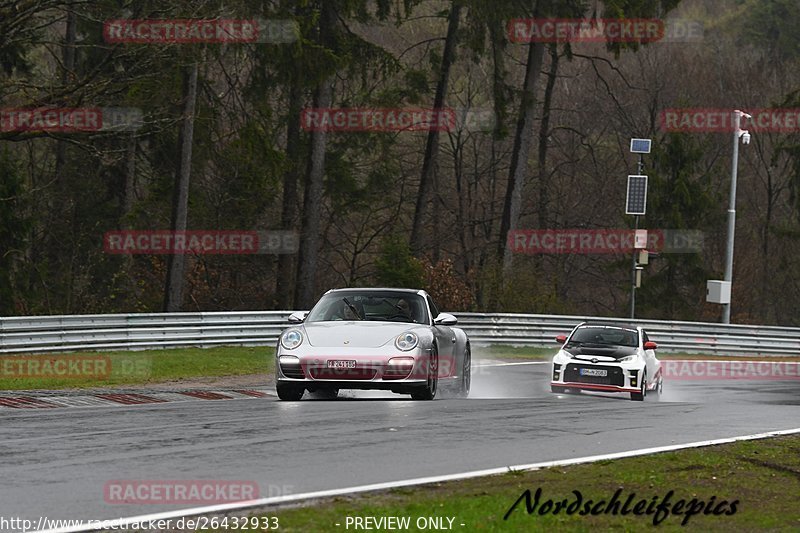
pixel 352 308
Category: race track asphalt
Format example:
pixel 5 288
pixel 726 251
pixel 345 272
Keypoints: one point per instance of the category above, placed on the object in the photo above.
pixel 56 462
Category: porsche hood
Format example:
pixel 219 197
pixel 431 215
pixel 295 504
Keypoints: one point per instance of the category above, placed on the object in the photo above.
pixel 358 334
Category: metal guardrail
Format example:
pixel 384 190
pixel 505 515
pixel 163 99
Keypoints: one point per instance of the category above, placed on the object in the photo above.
pixel 671 336
pixel 42 334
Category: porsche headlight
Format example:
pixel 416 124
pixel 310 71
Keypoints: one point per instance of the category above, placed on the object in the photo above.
pixel 406 341
pixel 291 339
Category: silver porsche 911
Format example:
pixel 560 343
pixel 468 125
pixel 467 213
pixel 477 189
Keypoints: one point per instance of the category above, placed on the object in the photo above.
pixel 389 339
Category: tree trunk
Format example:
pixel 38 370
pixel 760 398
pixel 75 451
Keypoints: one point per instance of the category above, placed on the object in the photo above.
pixel 541 162
pixel 284 282
pixel 427 177
pixel 130 176
pixel 60 203
pixel 312 207
pixel 68 59
pixel 544 132
pixel 127 207
pixel 519 154
pixel 173 292
pixel 310 238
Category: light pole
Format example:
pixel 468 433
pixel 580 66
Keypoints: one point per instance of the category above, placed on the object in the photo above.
pixel 636 204
pixel 745 135
pixel 635 251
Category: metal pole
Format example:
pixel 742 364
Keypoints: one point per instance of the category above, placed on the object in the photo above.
pixel 633 267
pixel 737 118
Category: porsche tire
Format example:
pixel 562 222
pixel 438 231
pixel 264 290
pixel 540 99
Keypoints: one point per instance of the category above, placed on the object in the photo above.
pixel 466 375
pixel 428 392
pixel 289 391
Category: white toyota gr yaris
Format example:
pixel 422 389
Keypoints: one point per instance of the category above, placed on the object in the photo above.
pixel 607 358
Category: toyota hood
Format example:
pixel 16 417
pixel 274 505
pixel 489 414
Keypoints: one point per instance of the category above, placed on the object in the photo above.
pixel 588 350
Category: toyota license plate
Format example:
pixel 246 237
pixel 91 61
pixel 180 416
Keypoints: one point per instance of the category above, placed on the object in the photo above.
pixel 594 372
pixel 341 364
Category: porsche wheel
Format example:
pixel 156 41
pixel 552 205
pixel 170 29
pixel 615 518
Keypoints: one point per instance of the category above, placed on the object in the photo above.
pixel 639 396
pixel 289 391
pixel 428 392
pixel 466 375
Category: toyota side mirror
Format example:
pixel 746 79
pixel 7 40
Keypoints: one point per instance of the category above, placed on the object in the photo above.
pixel 650 345
pixel 561 339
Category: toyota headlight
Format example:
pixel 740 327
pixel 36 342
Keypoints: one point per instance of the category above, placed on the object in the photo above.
pixel 292 339
pixel 627 359
pixel 406 341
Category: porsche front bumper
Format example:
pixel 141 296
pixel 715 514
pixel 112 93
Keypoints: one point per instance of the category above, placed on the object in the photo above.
pixel 353 369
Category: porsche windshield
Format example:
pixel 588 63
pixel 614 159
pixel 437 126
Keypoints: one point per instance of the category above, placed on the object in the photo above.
pixel 373 306
pixel 605 336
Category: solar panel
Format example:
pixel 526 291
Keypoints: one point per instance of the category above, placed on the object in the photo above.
pixel 640 146
pixel 636 202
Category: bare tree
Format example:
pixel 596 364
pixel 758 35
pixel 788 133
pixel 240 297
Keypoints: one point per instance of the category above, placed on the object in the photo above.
pixel 519 155
pixel 173 292
pixel 432 144
pixel 310 238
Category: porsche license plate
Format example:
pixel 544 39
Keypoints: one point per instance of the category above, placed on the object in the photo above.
pixel 341 364
pixel 594 372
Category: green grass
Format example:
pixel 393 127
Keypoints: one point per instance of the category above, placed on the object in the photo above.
pixel 763 475
pixel 124 368
pixel 109 369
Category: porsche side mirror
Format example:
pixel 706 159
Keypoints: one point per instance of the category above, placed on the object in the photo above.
pixel 650 345
pixel 298 316
pixel 445 319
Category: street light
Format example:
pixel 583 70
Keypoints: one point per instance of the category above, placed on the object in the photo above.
pixel 745 135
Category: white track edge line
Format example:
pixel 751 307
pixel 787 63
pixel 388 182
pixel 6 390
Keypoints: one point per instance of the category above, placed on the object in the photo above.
pixel 122 522
pixel 487 365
